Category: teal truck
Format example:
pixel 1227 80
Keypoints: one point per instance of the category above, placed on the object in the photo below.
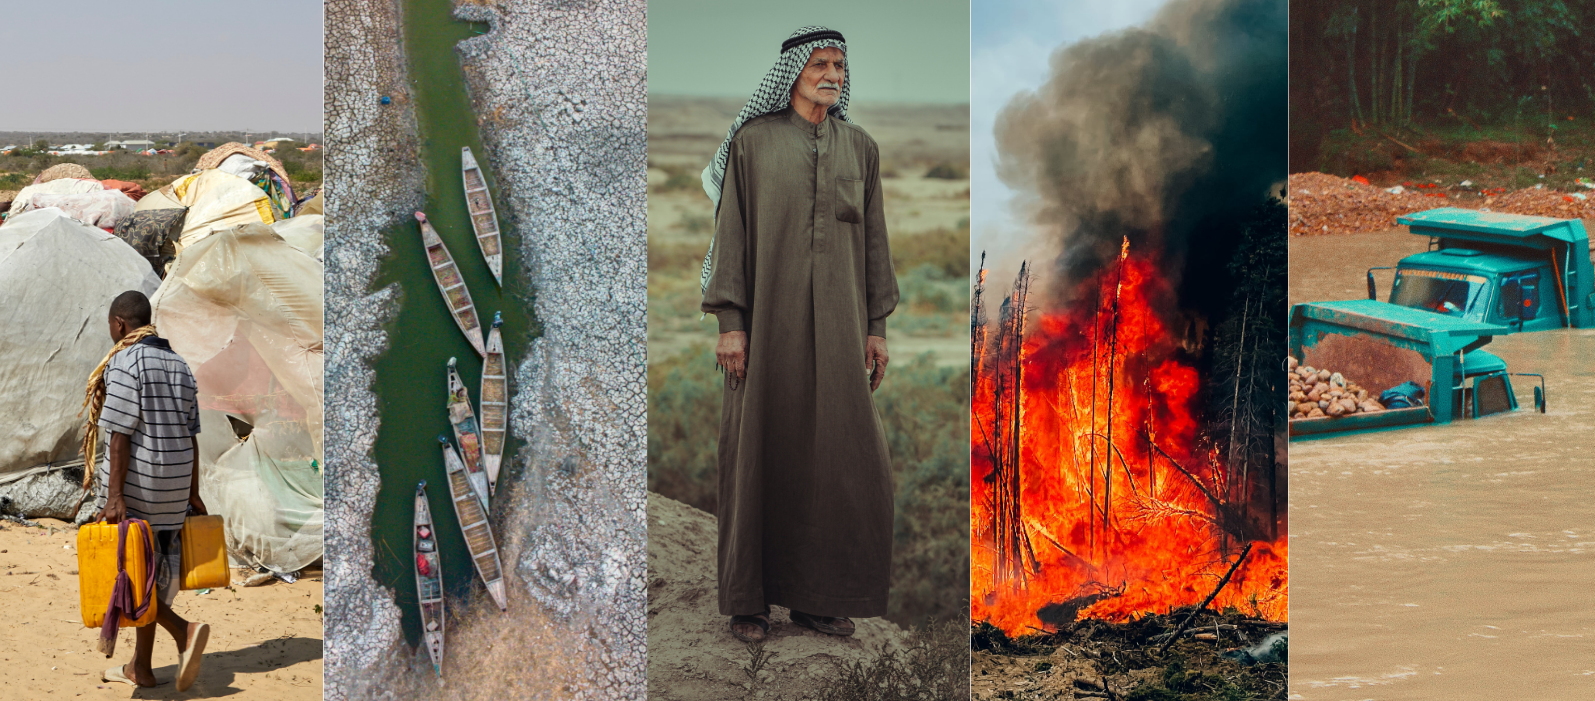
pixel 1485 275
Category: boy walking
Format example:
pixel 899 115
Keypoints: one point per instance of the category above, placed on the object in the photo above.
pixel 143 394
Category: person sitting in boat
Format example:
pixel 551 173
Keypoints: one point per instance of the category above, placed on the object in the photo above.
pixel 143 394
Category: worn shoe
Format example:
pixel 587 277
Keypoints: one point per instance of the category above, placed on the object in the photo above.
pixel 751 628
pixel 188 660
pixel 825 624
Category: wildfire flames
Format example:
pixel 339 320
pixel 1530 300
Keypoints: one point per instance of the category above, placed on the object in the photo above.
pixel 1124 508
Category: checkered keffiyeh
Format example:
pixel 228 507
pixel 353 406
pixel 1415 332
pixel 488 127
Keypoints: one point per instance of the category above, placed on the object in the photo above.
pixel 774 94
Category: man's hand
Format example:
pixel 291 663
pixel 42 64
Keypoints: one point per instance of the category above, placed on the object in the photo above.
pixel 120 445
pixel 875 360
pixel 732 353
pixel 194 502
pixel 115 510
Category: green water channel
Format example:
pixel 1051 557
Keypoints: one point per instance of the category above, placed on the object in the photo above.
pixel 411 377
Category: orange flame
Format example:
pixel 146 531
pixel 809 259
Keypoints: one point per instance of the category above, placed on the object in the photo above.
pixel 1162 547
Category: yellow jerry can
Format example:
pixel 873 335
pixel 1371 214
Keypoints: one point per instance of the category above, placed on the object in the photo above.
pixel 204 553
pixel 97 546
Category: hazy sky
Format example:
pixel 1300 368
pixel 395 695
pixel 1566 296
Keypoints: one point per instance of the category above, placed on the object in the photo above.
pixel 1012 45
pixel 161 65
pixel 901 50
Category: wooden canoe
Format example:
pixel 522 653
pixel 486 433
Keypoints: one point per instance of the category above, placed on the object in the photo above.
pixel 428 578
pixel 473 523
pixel 484 221
pixel 495 404
pixel 451 284
pixel 466 433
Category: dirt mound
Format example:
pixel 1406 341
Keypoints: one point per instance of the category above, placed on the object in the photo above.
pixel 691 654
pixel 1326 204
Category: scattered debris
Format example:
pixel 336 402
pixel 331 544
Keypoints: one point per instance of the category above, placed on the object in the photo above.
pixel 1326 204
pixel 1223 655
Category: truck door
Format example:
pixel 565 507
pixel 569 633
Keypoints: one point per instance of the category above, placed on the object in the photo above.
pixel 1520 297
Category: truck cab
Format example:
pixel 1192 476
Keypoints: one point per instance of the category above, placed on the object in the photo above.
pixel 1519 272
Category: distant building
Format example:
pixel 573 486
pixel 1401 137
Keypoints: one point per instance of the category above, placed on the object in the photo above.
pixel 137 145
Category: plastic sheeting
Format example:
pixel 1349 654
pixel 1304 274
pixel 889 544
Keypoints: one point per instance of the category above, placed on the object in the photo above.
pixel 216 200
pixel 102 208
pixel 243 166
pixel 62 186
pixel 159 199
pixel 244 308
pixel 304 232
pixel 59 276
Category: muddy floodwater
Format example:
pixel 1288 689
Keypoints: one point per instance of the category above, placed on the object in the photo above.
pixel 1445 562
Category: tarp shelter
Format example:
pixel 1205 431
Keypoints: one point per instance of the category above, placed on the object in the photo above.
pixel 59 186
pixel 304 232
pixel 59 277
pixel 244 308
pixel 100 208
pixel 216 200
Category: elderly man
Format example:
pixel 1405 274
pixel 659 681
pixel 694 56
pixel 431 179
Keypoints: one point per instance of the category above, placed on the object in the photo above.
pixel 800 278
pixel 143 394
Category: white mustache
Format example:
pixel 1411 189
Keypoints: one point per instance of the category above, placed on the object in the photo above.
pixel 828 84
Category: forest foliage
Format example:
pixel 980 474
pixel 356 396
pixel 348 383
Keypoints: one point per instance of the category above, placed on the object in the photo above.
pixel 1393 64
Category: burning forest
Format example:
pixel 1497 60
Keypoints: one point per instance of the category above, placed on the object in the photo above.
pixel 1101 494
pixel 1127 401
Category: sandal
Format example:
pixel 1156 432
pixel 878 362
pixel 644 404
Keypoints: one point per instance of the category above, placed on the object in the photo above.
pixel 829 625
pixel 762 620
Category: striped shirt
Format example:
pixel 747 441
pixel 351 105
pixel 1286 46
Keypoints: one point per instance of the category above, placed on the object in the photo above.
pixel 149 395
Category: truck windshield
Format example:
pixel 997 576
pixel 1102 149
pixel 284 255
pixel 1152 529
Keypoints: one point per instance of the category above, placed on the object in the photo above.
pixel 1442 292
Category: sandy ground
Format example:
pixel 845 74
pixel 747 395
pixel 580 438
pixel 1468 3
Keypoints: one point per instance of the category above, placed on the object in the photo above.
pixel 265 641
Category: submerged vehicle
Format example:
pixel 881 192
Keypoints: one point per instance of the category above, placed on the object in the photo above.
pixel 1485 274
pixel 451 284
pixel 428 579
pixel 495 407
pixel 473 523
pixel 484 221
pixel 466 433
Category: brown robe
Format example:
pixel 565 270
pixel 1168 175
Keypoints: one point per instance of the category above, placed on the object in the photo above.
pixel 801 264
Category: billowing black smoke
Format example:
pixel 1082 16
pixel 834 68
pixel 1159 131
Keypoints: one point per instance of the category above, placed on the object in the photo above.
pixel 1170 134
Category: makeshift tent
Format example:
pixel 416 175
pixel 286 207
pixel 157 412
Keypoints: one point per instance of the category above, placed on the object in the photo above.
pixel 303 232
pixel 63 170
pixel 59 186
pixel 244 308
pixel 215 201
pixel 100 208
pixel 273 180
pixel 59 276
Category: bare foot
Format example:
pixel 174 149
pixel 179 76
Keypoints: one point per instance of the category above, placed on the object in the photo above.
pixel 143 677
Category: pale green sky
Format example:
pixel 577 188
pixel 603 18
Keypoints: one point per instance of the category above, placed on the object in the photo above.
pixel 899 50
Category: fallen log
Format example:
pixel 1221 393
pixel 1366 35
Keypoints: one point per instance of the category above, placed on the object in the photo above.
pixel 1221 584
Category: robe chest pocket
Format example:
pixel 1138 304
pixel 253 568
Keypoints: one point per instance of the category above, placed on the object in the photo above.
pixel 850 200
